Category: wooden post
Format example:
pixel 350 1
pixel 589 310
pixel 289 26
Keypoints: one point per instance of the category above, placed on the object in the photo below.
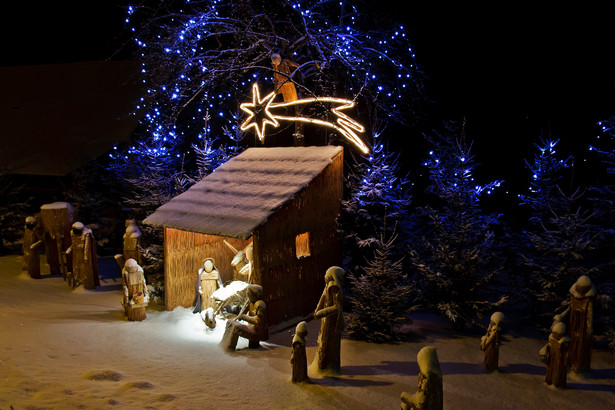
pixel 56 219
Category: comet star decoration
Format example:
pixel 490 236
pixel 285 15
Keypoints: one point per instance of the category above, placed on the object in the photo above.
pixel 261 112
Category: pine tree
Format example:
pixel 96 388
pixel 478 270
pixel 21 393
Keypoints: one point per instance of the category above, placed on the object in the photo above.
pixel 457 259
pixel 381 296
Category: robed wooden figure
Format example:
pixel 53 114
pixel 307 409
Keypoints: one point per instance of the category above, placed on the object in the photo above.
pixel 298 357
pixel 85 262
pixel 429 395
pixel 555 355
pixel 490 343
pixel 32 239
pixel 579 318
pixel 329 309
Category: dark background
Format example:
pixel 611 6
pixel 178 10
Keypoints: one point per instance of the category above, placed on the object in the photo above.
pixel 512 73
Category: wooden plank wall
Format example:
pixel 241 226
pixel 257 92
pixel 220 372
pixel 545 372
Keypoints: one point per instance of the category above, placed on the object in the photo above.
pixel 184 253
pixel 293 286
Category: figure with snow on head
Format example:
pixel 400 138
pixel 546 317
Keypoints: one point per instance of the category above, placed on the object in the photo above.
pixel 85 263
pixel 490 343
pixel 136 295
pixel 256 329
pixel 298 357
pixel 429 395
pixel 329 309
pixel 579 318
pixel 555 355
pixel 32 239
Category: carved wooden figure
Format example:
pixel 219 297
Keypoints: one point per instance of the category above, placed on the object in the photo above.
pixel 85 263
pixel 283 84
pixel 555 355
pixel 132 241
pixel 256 330
pixel 329 309
pixel 429 395
pixel 136 295
pixel 32 239
pixel 579 318
pixel 298 357
pixel 208 280
pixel 490 343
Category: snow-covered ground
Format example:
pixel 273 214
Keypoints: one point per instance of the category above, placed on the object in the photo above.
pixel 61 348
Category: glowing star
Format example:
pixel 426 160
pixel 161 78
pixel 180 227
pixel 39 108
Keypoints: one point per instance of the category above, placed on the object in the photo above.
pixel 262 113
pixel 259 109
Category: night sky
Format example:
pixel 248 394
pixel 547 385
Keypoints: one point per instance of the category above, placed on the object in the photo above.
pixel 513 74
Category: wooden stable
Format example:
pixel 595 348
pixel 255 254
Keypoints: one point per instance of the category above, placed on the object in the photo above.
pixel 285 200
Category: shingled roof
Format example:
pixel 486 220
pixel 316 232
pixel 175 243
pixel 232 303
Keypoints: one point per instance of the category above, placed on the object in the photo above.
pixel 245 191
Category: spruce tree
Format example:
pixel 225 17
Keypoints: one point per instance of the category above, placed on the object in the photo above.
pixel 381 296
pixel 561 245
pixel 375 188
pixel 546 170
pixel 556 247
pixel 457 258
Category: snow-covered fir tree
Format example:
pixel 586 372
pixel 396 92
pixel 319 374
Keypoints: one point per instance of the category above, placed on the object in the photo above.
pixel 559 246
pixel 375 189
pixel 546 170
pixel 602 201
pixel 381 296
pixel 457 260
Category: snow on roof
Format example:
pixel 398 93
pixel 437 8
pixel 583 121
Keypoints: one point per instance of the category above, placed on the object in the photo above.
pixel 245 191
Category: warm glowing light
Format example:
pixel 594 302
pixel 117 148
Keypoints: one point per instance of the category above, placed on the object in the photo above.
pixel 260 115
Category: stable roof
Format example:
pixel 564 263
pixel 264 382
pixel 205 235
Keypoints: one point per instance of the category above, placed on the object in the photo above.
pixel 240 195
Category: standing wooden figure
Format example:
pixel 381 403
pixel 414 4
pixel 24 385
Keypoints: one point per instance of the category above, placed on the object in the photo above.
pixel 132 241
pixel 429 395
pixel 490 343
pixel 329 309
pixel 298 357
pixel 283 84
pixel 136 296
pixel 579 317
pixel 555 355
pixel 208 280
pixel 256 329
pixel 32 239
pixel 85 263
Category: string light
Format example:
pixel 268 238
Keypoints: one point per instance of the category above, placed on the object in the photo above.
pixel 344 124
